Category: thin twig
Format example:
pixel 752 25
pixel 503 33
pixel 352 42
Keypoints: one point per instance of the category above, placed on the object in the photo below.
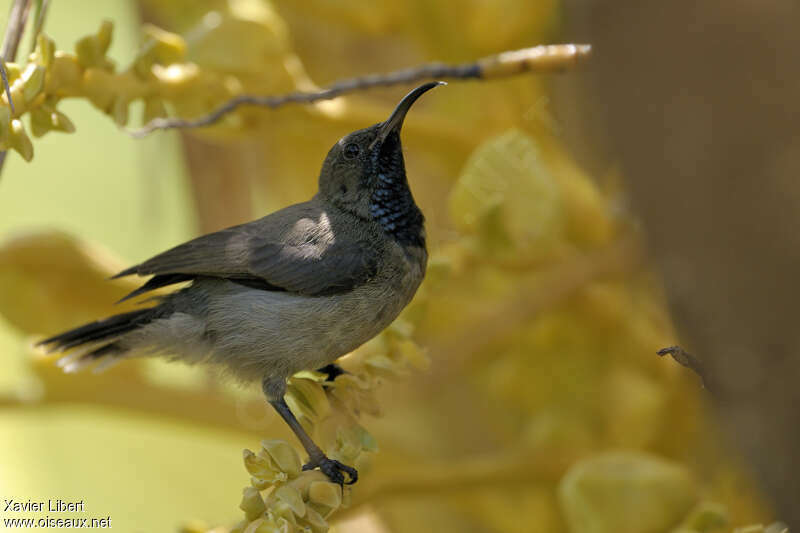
pixel 546 58
pixel 17 18
pixel 684 358
pixel 41 14
pixel 6 86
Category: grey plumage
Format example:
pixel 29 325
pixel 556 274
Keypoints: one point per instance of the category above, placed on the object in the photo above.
pixel 293 290
pixel 255 334
pixel 308 248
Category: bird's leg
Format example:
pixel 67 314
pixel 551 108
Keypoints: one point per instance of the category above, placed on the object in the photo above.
pixel 332 371
pixel 330 467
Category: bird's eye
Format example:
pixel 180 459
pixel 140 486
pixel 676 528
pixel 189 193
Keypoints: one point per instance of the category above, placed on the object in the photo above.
pixel 351 150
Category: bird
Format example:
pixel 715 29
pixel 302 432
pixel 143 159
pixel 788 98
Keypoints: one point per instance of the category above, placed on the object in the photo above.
pixel 294 290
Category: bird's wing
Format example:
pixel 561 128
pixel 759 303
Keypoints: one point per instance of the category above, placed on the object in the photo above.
pixel 296 249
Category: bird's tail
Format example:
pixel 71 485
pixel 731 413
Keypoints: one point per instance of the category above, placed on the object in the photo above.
pixel 98 339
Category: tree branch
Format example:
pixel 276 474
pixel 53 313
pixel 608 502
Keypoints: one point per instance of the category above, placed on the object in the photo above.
pixel 38 23
pixel 545 58
pixel 17 17
pixel 6 86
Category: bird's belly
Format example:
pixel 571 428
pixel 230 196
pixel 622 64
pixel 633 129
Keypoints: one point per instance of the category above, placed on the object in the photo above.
pixel 258 334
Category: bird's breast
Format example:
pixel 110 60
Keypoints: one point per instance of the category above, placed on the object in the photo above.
pixel 259 332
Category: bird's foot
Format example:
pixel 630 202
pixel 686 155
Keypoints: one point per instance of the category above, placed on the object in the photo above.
pixel 333 469
pixel 332 371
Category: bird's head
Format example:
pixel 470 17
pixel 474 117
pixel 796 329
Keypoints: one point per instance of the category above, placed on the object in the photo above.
pixel 364 174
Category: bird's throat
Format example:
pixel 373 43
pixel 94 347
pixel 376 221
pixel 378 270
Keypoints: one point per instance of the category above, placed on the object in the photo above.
pixel 393 207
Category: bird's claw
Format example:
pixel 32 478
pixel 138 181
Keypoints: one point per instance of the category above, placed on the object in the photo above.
pixel 333 469
pixel 332 371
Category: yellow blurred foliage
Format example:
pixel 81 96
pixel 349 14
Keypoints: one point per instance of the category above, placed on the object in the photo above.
pixel 524 393
pixel 41 273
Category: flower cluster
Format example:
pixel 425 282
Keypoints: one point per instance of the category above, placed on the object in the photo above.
pixel 295 500
pixel 159 76
pixel 284 498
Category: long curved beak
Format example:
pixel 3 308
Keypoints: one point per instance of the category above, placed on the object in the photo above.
pixel 395 120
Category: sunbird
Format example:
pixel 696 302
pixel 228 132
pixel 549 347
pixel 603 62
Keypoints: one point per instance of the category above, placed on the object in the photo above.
pixel 294 290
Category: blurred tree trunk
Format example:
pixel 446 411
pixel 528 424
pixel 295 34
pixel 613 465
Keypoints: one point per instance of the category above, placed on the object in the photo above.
pixel 221 184
pixel 698 103
pixel 220 173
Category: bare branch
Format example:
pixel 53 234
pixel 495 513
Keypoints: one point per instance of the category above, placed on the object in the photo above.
pixel 17 17
pixel 6 86
pixel 546 58
pixel 38 24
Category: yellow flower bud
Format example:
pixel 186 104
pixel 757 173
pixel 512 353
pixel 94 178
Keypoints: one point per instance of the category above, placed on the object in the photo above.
pixel 14 71
pixel 45 118
pixel 256 465
pixel 61 122
pixel 153 108
pixel 315 521
pixel 348 443
pixel 253 526
pixel 284 456
pixel 350 381
pixel 382 365
pixel 88 52
pixel 263 469
pixel 355 394
pixel 280 510
pixel 40 121
pixel 304 481
pixel 283 526
pixel 16 95
pixel 64 72
pixel 177 76
pixel 325 493
pixel 264 484
pixel 411 352
pixel 252 504
pixel 45 51
pixel 91 50
pixel 262 525
pixel 166 47
pixel 311 398
pixel 104 35
pixel 19 140
pixel 291 496
pixel 400 328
